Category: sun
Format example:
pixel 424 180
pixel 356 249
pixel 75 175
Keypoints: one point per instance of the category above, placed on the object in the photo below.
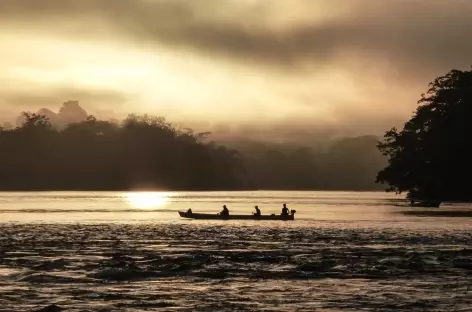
pixel 147 200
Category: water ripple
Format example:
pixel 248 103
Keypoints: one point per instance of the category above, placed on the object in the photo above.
pixel 204 267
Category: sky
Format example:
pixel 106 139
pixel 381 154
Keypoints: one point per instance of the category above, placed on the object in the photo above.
pixel 286 66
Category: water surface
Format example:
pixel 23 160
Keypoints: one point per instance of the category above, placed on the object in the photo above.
pixel 131 252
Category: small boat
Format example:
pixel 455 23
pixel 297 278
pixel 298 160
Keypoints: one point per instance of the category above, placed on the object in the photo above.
pixel 209 216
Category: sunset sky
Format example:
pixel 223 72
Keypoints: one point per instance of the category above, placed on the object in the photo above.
pixel 341 65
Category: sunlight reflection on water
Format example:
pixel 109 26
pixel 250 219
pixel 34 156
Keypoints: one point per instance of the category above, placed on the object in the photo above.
pixel 149 200
pixel 343 209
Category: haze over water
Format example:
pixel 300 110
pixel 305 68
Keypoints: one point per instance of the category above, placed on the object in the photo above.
pixel 131 252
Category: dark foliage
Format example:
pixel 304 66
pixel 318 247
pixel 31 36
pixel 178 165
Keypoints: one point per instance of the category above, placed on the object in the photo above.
pixel 431 157
pixel 142 153
pixel 146 152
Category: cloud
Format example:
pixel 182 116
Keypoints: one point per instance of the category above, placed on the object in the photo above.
pixel 341 65
pixel 432 33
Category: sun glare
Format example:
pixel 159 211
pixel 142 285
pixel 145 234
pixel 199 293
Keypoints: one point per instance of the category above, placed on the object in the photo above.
pixel 147 200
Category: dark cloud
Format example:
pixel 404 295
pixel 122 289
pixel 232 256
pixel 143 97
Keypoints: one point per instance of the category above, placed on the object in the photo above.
pixel 390 49
pixel 414 33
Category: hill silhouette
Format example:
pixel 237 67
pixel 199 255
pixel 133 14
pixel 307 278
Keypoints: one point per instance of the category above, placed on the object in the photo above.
pixel 69 150
pixel 342 164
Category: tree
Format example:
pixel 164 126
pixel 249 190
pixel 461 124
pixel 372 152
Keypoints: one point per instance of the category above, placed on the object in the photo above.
pixel 142 152
pixel 431 157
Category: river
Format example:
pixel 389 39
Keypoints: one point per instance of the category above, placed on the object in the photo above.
pixel 345 251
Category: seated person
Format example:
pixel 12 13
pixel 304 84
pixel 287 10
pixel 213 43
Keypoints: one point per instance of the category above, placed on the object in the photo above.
pixel 284 210
pixel 224 212
pixel 189 211
pixel 258 212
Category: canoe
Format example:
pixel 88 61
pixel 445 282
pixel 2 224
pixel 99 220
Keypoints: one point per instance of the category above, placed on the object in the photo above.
pixel 209 216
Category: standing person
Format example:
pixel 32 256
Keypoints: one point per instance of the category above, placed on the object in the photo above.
pixel 224 212
pixel 258 212
pixel 284 210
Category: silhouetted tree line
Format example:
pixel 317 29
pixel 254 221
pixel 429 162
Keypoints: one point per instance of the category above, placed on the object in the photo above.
pixel 431 158
pixel 146 152
pixel 142 152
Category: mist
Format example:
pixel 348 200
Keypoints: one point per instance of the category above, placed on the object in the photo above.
pixel 286 69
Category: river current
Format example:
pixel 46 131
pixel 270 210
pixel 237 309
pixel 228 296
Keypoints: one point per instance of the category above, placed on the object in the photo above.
pixel 345 251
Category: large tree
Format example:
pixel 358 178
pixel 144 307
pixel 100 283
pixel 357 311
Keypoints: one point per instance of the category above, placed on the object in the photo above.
pixel 431 157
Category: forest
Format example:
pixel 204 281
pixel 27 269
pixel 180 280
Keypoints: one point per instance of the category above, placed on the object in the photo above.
pixel 70 151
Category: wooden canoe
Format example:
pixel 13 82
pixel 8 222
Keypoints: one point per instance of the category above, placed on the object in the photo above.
pixel 209 216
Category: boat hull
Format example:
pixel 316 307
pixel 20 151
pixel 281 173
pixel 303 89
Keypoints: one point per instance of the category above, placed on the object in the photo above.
pixel 208 216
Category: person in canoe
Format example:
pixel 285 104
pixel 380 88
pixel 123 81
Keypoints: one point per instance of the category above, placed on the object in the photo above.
pixel 258 212
pixel 284 210
pixel 224 212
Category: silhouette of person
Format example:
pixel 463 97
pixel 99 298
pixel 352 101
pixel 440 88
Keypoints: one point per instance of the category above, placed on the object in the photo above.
pixel 189 211
pixel 284 210
pixel 258 212
pixel 224 212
